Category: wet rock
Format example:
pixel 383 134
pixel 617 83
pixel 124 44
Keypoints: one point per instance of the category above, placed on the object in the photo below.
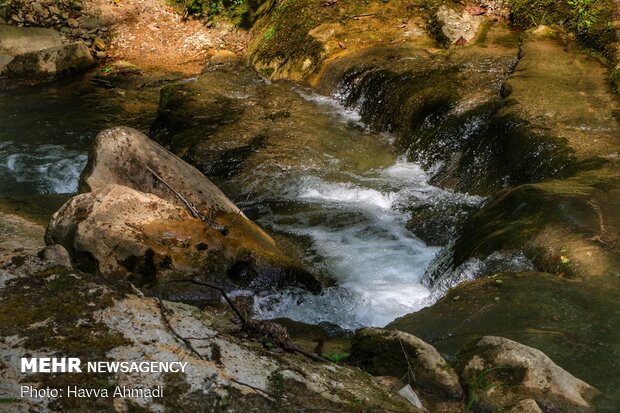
pixel 536 309
pixel 4 60
pixel 526 406
pixel 51 63
pixel 56 254
pixel 18 236
pixel 395 353
pixel 18 40
pixel 458 28
pixel 514 372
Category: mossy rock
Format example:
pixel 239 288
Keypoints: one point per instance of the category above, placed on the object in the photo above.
pixel 296 38
pixel 567 227
pixel 539 310
pixel 590 22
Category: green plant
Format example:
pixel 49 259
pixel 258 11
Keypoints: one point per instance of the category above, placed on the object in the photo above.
pixel 586 14
pixel 479 385
pixel 276 383
pixel 335 357
pixel 210 8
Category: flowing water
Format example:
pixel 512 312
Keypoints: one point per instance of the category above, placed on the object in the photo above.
pixel 320 179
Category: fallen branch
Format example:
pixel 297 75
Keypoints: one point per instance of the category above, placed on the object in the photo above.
pixel 185 341
pixel 215 287
pixel 197 214
pixel 357 16
pixel 264 330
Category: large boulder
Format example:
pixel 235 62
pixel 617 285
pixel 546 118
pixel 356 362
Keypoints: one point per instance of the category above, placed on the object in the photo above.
pixel 19 40
pixel 151 215
pixel 124 156
pixel 60 311
pixel 395 353
pixel 116 230
pixel 501 373
pixel 50 63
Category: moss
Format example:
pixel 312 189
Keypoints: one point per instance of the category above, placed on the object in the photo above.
pixel 484 32
pixel 379 355
pixel 592 26
pixel 173 94
pixel 285 37
pixel 58 304
pixel 53 311
pixel 516 216
pixel 416 104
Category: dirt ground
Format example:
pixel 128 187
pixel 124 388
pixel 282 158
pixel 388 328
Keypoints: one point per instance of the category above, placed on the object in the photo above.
pixel 153 36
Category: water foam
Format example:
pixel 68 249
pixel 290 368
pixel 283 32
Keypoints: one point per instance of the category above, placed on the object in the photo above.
pixel 358 236
pixel 47 169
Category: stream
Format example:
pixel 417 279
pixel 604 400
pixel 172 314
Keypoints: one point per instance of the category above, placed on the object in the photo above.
pixel 320 180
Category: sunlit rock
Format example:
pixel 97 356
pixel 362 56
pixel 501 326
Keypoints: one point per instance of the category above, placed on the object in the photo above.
pixel 502 372
pixel 399 354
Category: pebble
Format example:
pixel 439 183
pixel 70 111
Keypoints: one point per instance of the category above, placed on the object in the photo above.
pixel 73 23
pixel 101 54
pixel 99 43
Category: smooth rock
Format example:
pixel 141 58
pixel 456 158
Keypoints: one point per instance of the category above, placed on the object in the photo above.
pixel 49 63
pixel 125 156
pixel 56 254
pixel 73 23
pixel 526 406
pixel 18 40
pixel 122 155
pixel 458 28
pixel 222 58
pixel 395 353
pixel 119 231
pixel 520 372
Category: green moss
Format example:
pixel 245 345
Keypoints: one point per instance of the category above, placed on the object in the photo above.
pixel 484 32
pixel 514 217
pixel 283 36
pixel 589 20
pixel 58 304
pixel 173 94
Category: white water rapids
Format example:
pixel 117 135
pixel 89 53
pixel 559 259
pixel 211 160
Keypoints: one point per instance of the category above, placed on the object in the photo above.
pixel 358 235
